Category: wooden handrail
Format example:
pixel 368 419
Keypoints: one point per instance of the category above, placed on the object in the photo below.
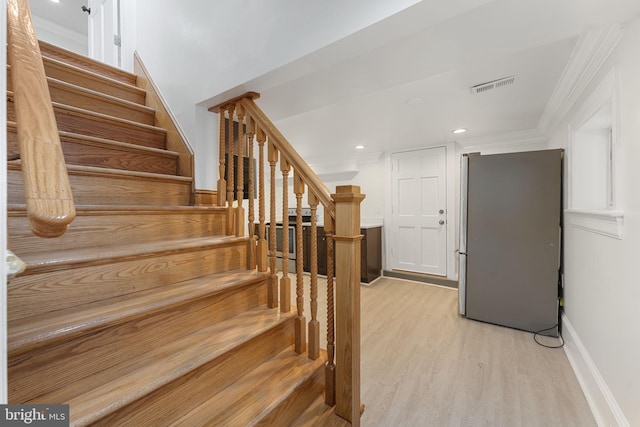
pixel 316 186
pixel 46 184
pixel 342 225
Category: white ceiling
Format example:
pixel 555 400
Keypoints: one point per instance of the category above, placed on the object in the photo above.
pixel 358 90
pixel 404 83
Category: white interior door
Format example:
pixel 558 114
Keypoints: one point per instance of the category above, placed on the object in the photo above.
pixel 419 211
pixel 104 39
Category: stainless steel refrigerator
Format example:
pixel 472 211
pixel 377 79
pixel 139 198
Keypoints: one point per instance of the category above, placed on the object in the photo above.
pixel 510 239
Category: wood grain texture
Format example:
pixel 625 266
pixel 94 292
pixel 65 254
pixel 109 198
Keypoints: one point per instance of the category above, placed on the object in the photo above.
pixel 318 414
pixel 347 302
pixel 46 185
pixel 45 329
pixel 175 138
pixel 194 389
pixel 68 57
pixel 247 401
pixel 118 225
pixel 71 74
pixel 205 197
pixel 87 99
pixel 423 364
pixel 288 152
pixel 81 353
pixel 90 151
pixel 117 187
pixel 84 276
pixel 65 74
pixel 85 122
pixel 144 314
pixel 109 391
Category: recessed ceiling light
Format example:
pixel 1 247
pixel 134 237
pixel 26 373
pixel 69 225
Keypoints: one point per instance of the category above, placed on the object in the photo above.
pixel 459 130
pixel 359 147
pixel 56 1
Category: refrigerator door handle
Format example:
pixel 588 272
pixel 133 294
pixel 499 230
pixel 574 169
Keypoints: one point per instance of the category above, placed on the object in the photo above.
pixel 462 273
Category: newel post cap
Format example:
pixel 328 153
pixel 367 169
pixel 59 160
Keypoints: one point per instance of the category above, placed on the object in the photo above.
pixel 348 194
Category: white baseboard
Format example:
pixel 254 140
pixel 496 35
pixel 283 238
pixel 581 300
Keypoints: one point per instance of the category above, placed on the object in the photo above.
pixel 603 405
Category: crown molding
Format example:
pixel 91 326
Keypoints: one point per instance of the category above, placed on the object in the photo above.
pixel 592 50
pixel 525 137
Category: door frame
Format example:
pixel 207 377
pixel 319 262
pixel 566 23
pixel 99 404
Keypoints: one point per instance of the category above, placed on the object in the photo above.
pixel 452 184
pixel 127 11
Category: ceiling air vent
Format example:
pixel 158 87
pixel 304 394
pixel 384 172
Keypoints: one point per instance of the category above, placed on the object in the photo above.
pixel 483 87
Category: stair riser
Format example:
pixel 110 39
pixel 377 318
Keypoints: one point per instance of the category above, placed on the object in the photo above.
pixel 78 151
pixel 168 404
pixel 92 102
pixel 116 228
pixel 44 370
pixel 61 73
pixel 110 189
pixel 107 86
pixel 85 123
pixel 295 403
pixel 33 294
pixel 87 64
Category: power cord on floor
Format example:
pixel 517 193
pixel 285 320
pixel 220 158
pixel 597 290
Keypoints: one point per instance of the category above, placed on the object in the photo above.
pixel 535 338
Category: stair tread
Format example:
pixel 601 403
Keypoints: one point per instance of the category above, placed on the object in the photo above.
pixel 94 170
pixel 74 69
pixel 107 142
pixel 28 333
pixel 18 209
pixel 256 393
pixel 45 48
pixel 106 391
pixel 100 116
pixel 100 95
pixel 37 262
pixel 319 414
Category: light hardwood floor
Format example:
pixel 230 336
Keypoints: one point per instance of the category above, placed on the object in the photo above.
pixel 424 365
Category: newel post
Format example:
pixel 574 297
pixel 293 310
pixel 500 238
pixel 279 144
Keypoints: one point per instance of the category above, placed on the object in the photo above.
pixel 347 250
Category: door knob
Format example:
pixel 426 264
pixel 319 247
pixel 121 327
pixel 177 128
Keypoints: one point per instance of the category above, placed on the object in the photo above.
pixel 441 222
pixel 441 211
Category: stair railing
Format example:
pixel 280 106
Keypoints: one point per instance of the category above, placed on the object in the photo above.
pixel 46 184
pixel 240 121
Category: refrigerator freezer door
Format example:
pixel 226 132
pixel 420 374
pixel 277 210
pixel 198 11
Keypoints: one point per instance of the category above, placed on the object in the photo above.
pixel 513 215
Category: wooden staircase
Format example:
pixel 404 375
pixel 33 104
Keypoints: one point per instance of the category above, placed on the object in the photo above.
pixel 143 312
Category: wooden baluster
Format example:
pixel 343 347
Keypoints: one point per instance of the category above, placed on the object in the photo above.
pixel 230 172
pixel 222 148
pixel 348 237
pixel 242 139
pixel 330 367
pixel 273 278
pixel 300 322
pixel 251 254
pixel 261 247
pixel 285 282
pixel 314 325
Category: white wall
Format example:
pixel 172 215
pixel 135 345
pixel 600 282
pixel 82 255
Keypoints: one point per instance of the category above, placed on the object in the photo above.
pixel 58 35
pixel 198 49
pixel 602 285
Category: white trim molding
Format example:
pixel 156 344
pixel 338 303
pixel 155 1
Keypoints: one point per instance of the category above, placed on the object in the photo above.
pixel 603 405
pixel 606 223
pixel 591 52
pixel 524 139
